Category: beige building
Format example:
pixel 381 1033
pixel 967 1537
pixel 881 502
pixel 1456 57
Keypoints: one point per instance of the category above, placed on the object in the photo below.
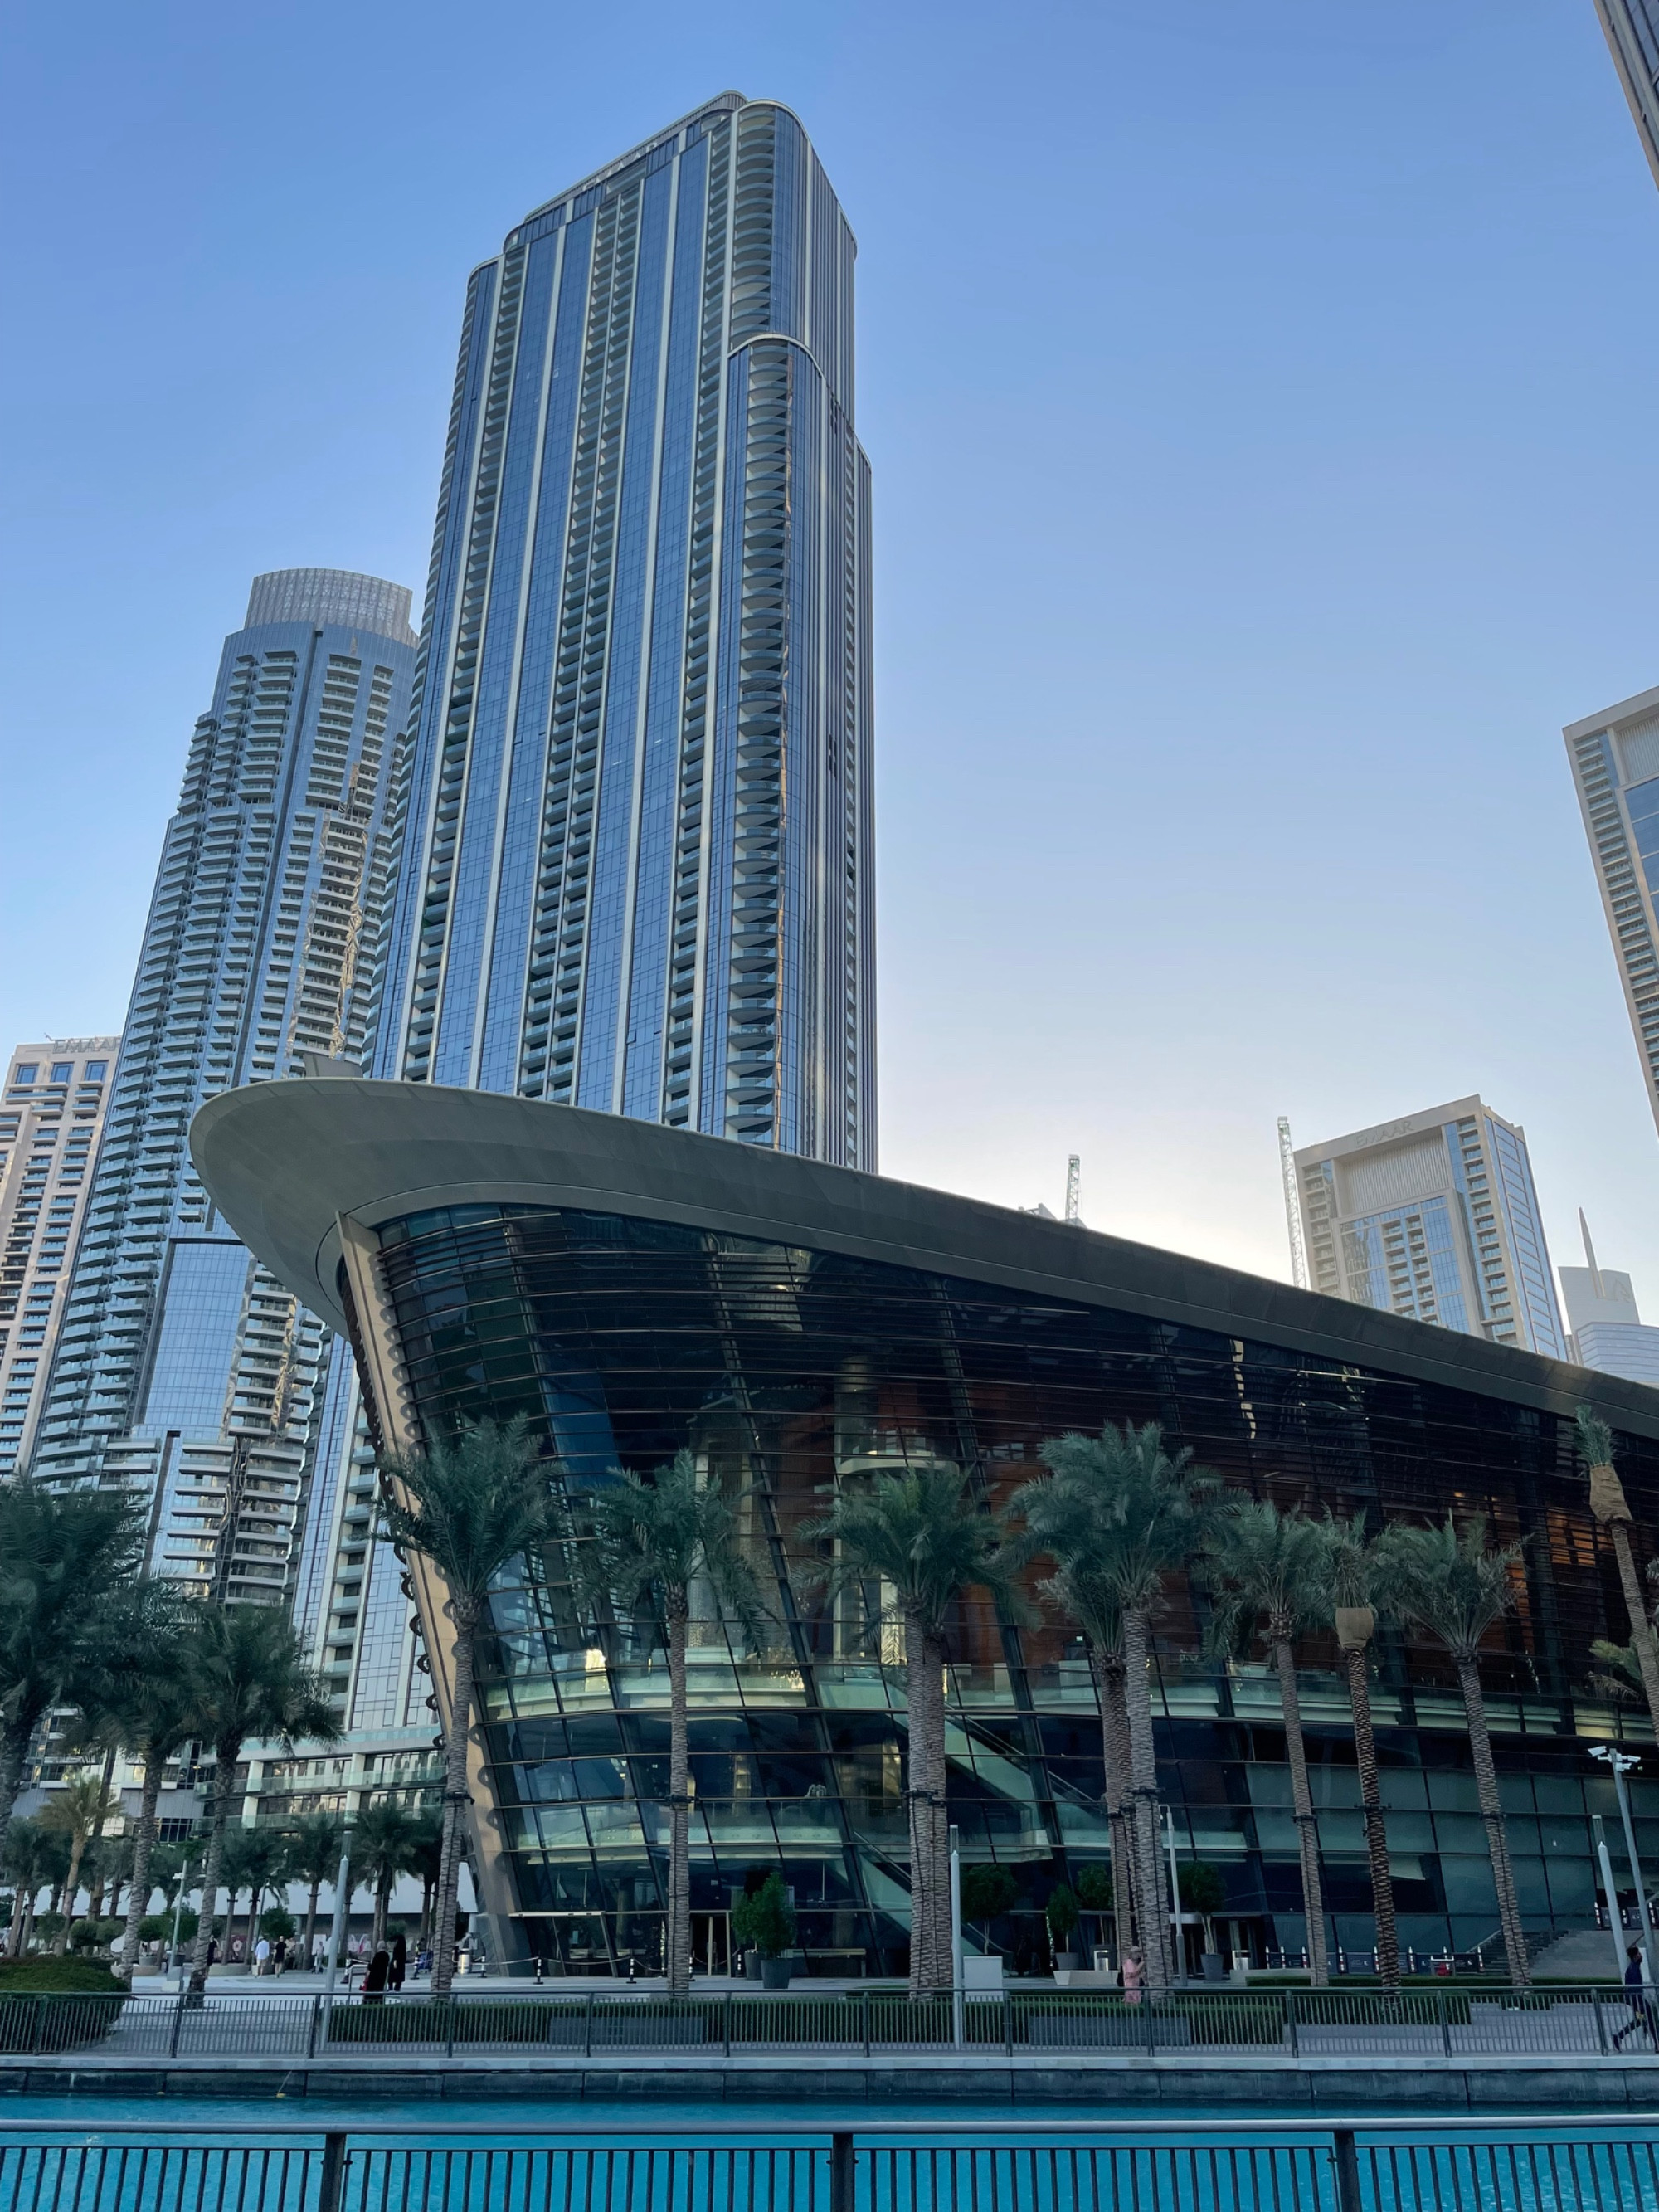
pixel 52 1116
pixel 1615 767
pixel 1434 1217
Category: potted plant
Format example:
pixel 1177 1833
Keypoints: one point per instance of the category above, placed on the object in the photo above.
pixel 1063 1914
pixel 1094 1894
pixel 1205 1892
pixel 764 1923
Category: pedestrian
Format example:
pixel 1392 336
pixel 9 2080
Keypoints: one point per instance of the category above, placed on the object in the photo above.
pixel 279 1956
pixel 1642 2014
pixel 262 1955
pixel 423 1961
pixel 1134 1973
pixel 399 1962
pixel 374 1983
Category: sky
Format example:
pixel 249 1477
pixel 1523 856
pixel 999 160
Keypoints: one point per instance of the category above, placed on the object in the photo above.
pixel 1259 395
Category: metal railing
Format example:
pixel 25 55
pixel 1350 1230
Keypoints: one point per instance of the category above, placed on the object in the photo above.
pixel 1033 2165
pixel 1447 2023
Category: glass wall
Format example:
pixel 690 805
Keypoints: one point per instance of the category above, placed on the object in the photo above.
pixel 788 1372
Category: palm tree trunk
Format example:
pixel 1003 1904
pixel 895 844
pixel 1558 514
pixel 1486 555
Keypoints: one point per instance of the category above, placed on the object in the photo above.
pixel 142 1844
pixel 1307 1827
pixel 1115 1742
pixel 382 1900
pixel 457 1797
pixel 1151 1908
pixel 1491 1813
pixel 1641 1630
pixel 311 1923
pixel 1371 1803
pixel 14 1751
pixel 226 1755
pixel 71 1884
pixel 19 1907
pixel 677 1961
pixel 924 1695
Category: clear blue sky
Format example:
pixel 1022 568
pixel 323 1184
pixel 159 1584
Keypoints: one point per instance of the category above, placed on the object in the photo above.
pixel 1261 398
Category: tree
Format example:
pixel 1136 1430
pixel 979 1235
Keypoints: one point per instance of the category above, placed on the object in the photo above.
pixel 312 1855
pixel 252 1681
pixel 469 1505
pixel 1120 1514
pixel 986 1892
pixel 78 1810
pixel 426 1860
pixel 34 1859
pixel 924 1537
pixel 765 1921
pixel 383 1846
pixel 253 1860
pixel 1269 1572
pixel 644 1547
pixel 1451 1582
pixel 1203 1891
pixel 1608 1506
pixel 141 1695
pixel 62 1555
pixel 1350 1581
pixel 1062 1914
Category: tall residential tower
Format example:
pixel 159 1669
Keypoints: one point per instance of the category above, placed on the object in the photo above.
pixel 1632 33
pixel 1616 766
pixel 1434 1217
pixel 636 867
pixel 184 1370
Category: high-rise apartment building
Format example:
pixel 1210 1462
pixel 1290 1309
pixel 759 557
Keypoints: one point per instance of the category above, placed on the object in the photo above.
pixel 1607 1331
pixel 1434 1217
pixel 1632 34
pixel 52 1116
pixel 1616 766
pixel 184 1370
pixel 636 865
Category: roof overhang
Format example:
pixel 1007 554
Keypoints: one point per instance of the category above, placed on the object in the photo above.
pixel 284 1161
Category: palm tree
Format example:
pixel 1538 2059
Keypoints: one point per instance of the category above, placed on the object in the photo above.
pixel 426 1859
pixel 1608 1505
pixel 141 1695
pixel 252 1680
pixel 473 1504
pixel 1121 1511
pixel 1451 1582
pixel 61 1558
pixel 1350 1578
pixel 643 1547
pixel 253 1860
pixel 383 1846
pixel 1268 1569
pixel 313 1856
pixel 925 1537
pixel 32 1857
pixel 78 1810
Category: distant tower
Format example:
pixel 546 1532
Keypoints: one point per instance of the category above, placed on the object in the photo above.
pixel 1607 1332
pixel 1073 1192
pixel 1615 765
pixel 1435 1218
pixel 1293 1210
pixel 185 1372
pixel 1632 34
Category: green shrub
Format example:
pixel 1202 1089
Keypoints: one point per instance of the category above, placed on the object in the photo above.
pixel 1063 1915
pixel 62 1977
pixel 155 1927
pixel 764 1922
pixel 89 1934
pixel 986 1891
pixel 275 1921
pixel 1094 1888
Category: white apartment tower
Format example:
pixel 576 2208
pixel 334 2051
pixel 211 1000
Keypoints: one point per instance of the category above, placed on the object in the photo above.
pixel 1435 1218
pixel 1616 766
pixel 52 1117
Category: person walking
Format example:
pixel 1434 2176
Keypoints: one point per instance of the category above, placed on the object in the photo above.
pixel 1134 1973
pixel 399 1962
pixel 1642 2012
pixel 375 1981
pixel 262 1955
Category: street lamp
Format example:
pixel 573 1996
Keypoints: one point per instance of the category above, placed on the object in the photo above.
pixel 342 1908
pixel 178 1907
pixel 1620 1762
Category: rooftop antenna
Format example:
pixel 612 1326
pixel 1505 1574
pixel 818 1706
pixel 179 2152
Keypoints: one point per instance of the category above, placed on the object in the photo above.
pixel 1589 1254
pixel 1072 1166
pixel 1293 1210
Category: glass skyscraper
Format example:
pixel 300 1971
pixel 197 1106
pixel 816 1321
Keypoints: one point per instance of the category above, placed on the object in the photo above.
pixel 184 1370
pixel 1632 33
pixel 637 863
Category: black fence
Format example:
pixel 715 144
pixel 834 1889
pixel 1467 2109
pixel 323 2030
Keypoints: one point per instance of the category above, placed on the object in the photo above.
pixel 1563 2167
pixel 1415 2023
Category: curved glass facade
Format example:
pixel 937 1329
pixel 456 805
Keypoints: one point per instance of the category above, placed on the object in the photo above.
pixel 787 1370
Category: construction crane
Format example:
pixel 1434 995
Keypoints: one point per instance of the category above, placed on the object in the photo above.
pixel 1292 1207
pixel 1072 1166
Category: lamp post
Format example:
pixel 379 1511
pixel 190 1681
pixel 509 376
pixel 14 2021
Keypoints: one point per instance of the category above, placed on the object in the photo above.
pixel 1614 1923
pixel 1174 1896
pixel 178 1908
pixel 957 2022
pixel 1620 1761
pixel 342 1909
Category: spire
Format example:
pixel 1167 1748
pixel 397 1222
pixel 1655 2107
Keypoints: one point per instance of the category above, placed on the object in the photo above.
pixel 1589 1254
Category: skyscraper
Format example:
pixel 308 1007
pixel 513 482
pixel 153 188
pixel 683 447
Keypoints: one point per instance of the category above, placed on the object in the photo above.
pixel 184 1370
pixel 1616 766
pixel 636 865
pixel 1434 1217
pixel 50 1120
pixel 1632 34
pixel 1607 1331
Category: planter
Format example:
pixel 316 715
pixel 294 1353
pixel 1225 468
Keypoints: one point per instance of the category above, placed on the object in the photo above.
pixel 774 1973
pixel 751 1965
pixel 1214 1967
pixel 1067 1962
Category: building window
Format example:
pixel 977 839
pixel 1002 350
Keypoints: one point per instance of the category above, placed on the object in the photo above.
pixel 27 1072
pixel 95 1071
pixel 62 1070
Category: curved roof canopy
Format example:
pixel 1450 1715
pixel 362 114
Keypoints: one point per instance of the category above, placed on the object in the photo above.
pixel 283 1161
